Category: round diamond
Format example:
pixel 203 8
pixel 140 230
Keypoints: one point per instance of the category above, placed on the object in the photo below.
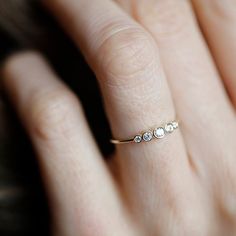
pixel 159 132
pixel 175 124
pixel 137 138
pixel 147 136
pixel 169 128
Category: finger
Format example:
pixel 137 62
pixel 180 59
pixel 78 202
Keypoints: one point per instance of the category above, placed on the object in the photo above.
pixel 217 19
pixel 81 191
pixel 200 99
pixel 192 76
pixel 136 97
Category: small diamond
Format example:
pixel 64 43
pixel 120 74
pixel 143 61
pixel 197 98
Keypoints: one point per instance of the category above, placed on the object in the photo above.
pixel 137 138
pixel 159 132
pixel 169 128
pixel 175 124
pixel 147 136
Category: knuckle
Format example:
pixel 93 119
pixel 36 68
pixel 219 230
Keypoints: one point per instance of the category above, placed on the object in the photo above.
pixel 222 9
pixel 126 54
pixel 94 221
pixel 52 114
pixel 169 17
pixel 187 223
pixel 226 193
pixel 227 207
pixel 15 65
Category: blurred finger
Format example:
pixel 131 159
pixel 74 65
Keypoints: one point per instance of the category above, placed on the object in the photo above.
pixel 81 191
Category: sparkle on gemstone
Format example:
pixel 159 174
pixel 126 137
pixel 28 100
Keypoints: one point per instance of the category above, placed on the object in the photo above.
pixel 169 128
pixel 137 138
pixel 175 124
pixel 147 136
pixel 159 132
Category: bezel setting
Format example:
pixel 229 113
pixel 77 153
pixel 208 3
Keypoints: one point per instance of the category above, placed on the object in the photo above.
pixel 169 128
pixel 147 136
pixel 137 138
pixel 159 132
pixel 175 124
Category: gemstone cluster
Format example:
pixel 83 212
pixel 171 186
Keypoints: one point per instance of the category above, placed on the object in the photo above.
pixel 158 132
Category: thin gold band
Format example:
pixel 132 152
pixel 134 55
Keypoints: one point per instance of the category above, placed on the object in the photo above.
pixel 158 133
pixel 116 141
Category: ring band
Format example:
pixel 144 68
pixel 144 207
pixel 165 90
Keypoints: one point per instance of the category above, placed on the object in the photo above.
pixel 158 133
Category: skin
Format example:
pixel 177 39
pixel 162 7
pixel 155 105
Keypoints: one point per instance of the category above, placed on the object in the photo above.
pixel 153 63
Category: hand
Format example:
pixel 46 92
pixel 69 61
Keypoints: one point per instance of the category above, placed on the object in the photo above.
pixel 153 64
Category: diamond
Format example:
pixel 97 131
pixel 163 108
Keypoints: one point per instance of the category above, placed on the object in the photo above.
pixel 169 128
pixel 137 138
pixel 159 132
pixel 147 136
pixel 175 124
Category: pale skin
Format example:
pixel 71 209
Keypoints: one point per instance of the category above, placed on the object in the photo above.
pixel 153 63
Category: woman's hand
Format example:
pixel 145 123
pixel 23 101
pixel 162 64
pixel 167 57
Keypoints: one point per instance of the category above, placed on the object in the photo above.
pixel 153 64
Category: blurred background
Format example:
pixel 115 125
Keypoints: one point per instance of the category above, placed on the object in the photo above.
pixel 24 25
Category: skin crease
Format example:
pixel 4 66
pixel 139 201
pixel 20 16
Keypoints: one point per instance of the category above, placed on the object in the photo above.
pixel 153 63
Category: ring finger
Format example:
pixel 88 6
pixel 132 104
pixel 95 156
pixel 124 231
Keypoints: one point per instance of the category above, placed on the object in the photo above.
pixel 200 98
pixel 125 60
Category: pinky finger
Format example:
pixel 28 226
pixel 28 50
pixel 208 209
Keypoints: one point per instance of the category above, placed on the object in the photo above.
pixel 77 179
pixel 217 20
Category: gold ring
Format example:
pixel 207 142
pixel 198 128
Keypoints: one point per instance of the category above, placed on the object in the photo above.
pixel 158 133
